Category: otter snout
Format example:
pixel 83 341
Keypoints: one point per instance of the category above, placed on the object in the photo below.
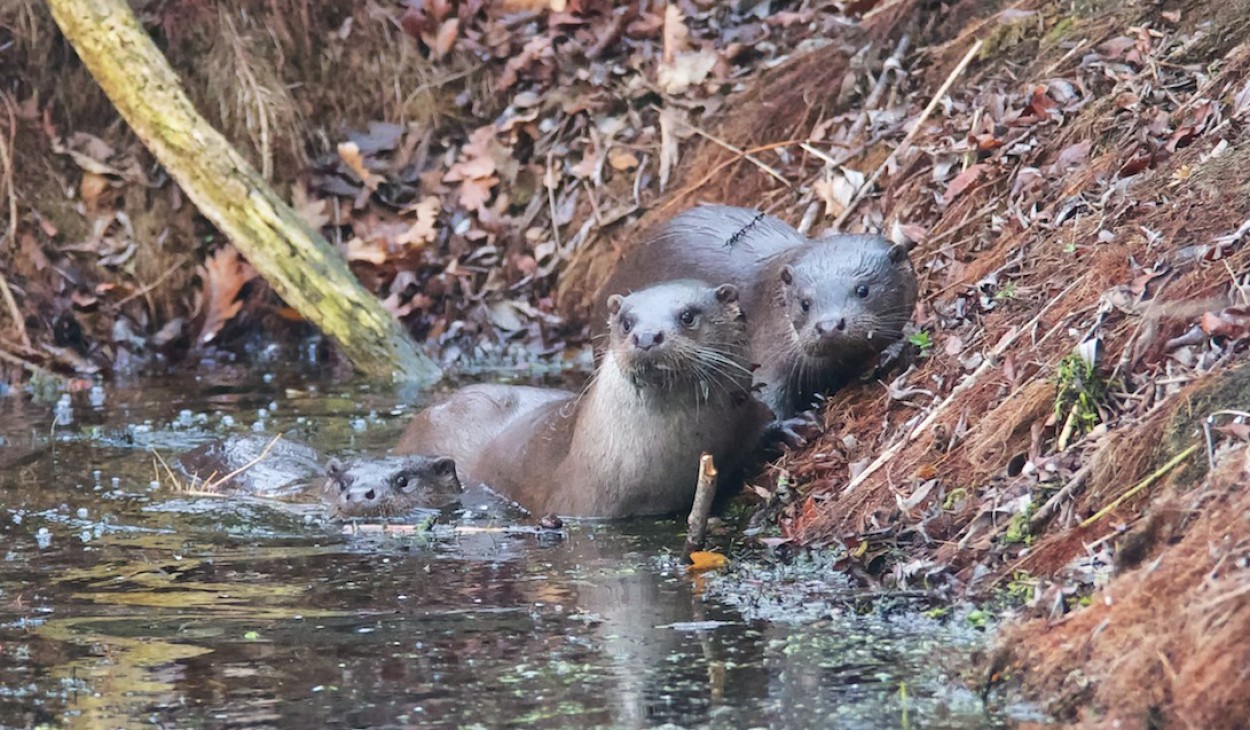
pixel 831 327
pixel 647 340
pixel 358 496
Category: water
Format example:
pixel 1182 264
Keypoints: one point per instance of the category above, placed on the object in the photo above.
pixel 126 604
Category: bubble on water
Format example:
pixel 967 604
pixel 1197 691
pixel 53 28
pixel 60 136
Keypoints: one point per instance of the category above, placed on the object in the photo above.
pixel 82 513
pixel 85 536
pixel 273 406
pixel 258 426
pixel 96 396
pixel 116 482
pixel 262 413
pixel 267 377
pixel 96 474
pixel 227 420
pixel 63 412
pixel 17 518
pixel 186 419
pixel 298 421
pixel 43 538
pixel 154 485
pixel 359 424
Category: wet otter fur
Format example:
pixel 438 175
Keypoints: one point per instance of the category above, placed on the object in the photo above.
pixel 673 383
pixel 818 310
pixel 362 488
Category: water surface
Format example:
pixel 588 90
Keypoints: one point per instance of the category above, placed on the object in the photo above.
pixel 124 603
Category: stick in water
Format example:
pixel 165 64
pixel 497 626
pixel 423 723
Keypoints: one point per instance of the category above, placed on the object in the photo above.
pixel 696 523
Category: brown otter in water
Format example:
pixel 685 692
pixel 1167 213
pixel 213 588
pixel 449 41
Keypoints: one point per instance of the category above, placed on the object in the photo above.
pixel 362 488
pixel 673 384
pixel 818 310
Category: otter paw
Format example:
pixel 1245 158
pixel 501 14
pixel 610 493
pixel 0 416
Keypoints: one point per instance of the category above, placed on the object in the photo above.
pixel 794 432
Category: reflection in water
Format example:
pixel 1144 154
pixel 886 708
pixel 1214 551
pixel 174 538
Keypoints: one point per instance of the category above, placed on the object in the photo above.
pixel 124 605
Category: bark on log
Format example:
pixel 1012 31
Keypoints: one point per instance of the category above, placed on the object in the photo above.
pixel 300 265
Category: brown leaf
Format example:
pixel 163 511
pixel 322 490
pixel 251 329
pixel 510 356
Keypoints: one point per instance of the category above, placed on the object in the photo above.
pixel 91 187
pixel 312 210
pixel 1232 322
pixel 622 159
pixel 676 34
pixel 962 182
pixel 448 32
pixel 224 274
pixel 474 194
pixel 424 229
pixel 349 153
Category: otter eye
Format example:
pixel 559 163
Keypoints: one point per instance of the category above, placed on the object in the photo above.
pixel 627 324
pixel 400 481
pixel 861 291
pixel 688 317
pixel 806 305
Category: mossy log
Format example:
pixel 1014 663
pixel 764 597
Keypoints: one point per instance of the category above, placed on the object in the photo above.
pixel 300 265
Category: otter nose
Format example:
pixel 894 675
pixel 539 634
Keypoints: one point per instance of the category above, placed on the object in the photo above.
pixel 648 340
pixel 827 327
pixel 361 495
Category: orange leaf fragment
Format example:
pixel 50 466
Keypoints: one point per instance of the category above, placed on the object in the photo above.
pixel 704 560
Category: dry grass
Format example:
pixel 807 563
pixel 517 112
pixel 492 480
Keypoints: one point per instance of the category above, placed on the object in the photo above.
pixel 1164 645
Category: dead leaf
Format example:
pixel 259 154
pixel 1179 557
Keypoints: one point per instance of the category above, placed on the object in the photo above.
pixel 349 153
pixel 475 194
pixel 91 187
pixel 224 275
pixel 962 182
pixel 1232 322
pixel 448 32
pixel 703 560
pixel 312 210
pixel 622 159
pixel 424 229
pixel 685 70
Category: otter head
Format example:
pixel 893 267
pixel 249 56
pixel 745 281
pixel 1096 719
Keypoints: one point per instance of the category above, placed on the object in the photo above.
pixel 680 333
pixel 847 296
pixel 389 486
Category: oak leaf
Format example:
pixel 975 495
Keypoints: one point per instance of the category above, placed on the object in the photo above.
pixel 224 275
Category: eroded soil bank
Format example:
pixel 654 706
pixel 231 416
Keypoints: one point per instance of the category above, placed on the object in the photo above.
pixel 1068 434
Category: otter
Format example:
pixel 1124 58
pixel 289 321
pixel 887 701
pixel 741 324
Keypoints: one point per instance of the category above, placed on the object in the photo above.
pixel 673 383
pixel 362 488
pixel 818 310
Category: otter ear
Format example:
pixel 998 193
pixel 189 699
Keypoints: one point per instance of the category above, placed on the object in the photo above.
pixel 898 252
pixel 444 465
pixel 334 468
pixel 726 293
pixel 614 303
pixel 787 275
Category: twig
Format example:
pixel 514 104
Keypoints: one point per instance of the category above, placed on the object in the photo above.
pixel 744 154
pixel 1046 511
pixel 1206 432
pixel 895 61
pixel 6 147
pixel 673 200
pixel 906 143
pixel 148 288
pixel 1172 464
pixel 696 523
pixel 32 367
pixel 958 390
pixel 212 486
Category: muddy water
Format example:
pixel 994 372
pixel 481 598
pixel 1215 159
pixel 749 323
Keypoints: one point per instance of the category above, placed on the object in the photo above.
pixel 124 603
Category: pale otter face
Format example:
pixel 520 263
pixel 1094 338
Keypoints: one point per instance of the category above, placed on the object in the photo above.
pixel 390 486
pixel 678 332
pixel 849 300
